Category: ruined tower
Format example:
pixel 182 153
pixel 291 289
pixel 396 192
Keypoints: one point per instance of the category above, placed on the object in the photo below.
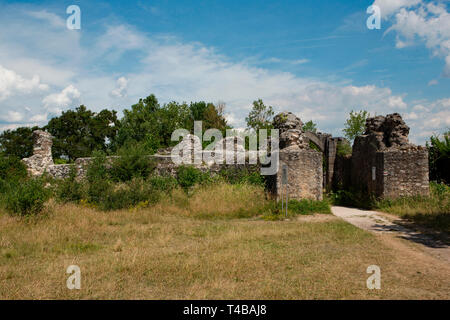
pixel 385 163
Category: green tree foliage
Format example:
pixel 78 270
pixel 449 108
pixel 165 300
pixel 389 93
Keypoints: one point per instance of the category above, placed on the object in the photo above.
pixel 343 149
pixel 260 117
pixel 141 124
pixel 132 162
pixel 355 124
pixel 439 157
pixel 152 124
pixel 79 132
pixel 18 142
pixel 27 197
pixel 310 126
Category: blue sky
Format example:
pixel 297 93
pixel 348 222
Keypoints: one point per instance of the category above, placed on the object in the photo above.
pixel 316 58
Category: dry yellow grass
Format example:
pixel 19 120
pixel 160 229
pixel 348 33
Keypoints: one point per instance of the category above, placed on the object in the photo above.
pixel 167 252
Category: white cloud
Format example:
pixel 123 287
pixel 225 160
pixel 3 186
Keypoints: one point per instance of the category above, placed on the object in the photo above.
pixel 11 117
pixel 66 98
pixel 388 7
pixel 175 70
pixel 429 23
pixel 396 102
pixel 12 83
pixel 300 61
pixel 39 118
pixel 121 88
pixel 433 82
pixel 50 17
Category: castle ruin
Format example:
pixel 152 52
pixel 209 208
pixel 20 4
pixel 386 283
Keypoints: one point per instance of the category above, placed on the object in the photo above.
pixel 383 162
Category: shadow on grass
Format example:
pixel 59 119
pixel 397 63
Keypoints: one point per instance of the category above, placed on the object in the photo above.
pixel 417 233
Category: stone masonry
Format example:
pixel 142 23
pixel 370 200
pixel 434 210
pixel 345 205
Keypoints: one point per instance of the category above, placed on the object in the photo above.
pixel 385 164
pixel 304 165
pixel 42 153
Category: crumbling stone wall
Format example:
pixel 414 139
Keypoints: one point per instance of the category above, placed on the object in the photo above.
pixel 385 164
pixel 327 144
pixel 41 159
pixel 383 161
pixel 304 165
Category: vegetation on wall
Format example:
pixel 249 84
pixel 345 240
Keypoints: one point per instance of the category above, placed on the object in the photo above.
pixel 439 152
pixel 355 124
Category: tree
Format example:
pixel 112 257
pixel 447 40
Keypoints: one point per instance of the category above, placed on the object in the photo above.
pixel 77 133
pixel 211 116
pixel 141 125
pixel 260 117
pixel 355 124
pixel 173 116
pixel 17 143
pixel 439 158
pixel 310 126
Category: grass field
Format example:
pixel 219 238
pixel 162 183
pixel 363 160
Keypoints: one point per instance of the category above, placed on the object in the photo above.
pixel 178 249
pixel 432 212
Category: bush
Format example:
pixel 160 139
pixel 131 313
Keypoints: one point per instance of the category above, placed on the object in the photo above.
pixel 439 158
pixel 97 169
pixel 133 193
pixel 343 149
pixel 188 176
pixel 163 183
pixel 97 191
pixel 69 189
pixel 244 175
pixel 12 168
pixel 353 198
pixel 132 162
pixel 27 197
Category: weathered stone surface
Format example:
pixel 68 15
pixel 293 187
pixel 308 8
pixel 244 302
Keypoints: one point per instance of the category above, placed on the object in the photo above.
pixel 387 132
pixel 304 175
pixel 305 171
pixel 42 153
pixel 291 132
pixel 385 164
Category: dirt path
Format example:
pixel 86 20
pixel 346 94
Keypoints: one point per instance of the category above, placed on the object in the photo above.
pixel 390 230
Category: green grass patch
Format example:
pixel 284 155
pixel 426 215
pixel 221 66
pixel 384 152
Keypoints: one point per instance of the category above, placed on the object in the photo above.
pixel 432 211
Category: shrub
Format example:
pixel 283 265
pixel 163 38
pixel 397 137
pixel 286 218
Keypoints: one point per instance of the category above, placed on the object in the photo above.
pixel 163 183
pixel 132 162
pixel 12 168
pixel 241 175
pixel 97 169
pixel 69 189
pixel 353 198
pixel 343 149
pixel 97 191
pixel 27 197
pixel 439 158
pixel 188 176
pixel 133 193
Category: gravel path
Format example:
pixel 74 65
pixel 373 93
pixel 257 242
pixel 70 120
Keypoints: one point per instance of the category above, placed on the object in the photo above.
pixel 393 227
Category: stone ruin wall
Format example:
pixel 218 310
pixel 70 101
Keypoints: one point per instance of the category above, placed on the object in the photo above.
pixel 401 168
pixel 42 162
pixel 305 173
pixel 385 163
